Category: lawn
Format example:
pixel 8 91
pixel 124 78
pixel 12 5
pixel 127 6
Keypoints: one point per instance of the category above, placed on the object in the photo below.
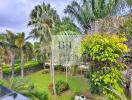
pixel 42 80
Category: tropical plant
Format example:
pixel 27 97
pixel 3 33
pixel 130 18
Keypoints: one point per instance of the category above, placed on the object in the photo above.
pixel 105 50
pixel 25 87
pixel 61 86
pixel 10 38
pixel 104 47
pixel 24 46
pixel 121 96
pixel 42 20
pixel 37 52
pixel 2 53
pixel 66 24
pixel 4 44
pixel 1 56
pixel 107 77
pixel 36 95
pixel 88 11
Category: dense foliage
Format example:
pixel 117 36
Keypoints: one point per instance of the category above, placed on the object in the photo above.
pixel 126 28
pixel 30 64
pixel 107 78
pixel 25 87
pixel 104 51
pixel 105 47
pixel 87 12
pixel 60 86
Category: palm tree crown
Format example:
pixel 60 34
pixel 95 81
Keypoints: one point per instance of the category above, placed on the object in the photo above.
pixel 89 11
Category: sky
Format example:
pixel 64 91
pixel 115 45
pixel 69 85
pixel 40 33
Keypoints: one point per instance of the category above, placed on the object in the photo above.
pixel 14 14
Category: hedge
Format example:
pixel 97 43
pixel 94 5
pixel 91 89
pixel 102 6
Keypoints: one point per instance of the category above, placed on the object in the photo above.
pixel 7 69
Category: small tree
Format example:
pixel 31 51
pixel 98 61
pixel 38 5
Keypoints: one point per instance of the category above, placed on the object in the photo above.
pixel 105 51
pixel 23 46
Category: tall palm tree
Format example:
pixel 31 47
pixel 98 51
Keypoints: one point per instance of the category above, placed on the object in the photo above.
pixel 42 20
pixel 66 24
pixel 2 52
pixel 10 38
pixel 23 45
pixel 89 11
pixel 1 56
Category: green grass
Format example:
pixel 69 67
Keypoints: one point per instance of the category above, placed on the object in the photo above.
pixel 42 81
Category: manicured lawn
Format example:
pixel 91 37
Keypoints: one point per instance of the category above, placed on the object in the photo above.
pixel 42 81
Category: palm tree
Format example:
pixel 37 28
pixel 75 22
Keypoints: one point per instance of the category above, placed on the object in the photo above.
pixel 88 11
pixel 66 24
pixel 23 45
pixel 10 38
pixel 2 52
pixel 1 56
pixel 42 20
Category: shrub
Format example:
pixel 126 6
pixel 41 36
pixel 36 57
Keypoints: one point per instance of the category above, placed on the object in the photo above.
pixel 72 98
pixel 31 64
pixel 36 95
pixel 1 82
pixel 105 51
pixel 25 87
pixel 45 71
pixel 107 78
pixel 60 86
pixel 104 47
pixel 57 67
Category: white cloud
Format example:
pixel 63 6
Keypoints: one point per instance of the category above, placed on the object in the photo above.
pixel 14 14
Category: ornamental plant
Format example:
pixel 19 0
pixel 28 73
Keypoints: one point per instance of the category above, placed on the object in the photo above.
pixel 104 47
pixel 105 51
pixel 60 86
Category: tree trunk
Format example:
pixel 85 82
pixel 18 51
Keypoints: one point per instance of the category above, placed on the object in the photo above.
pixel 12 64
pixel 44 61
pixel 1 72
pixel 66 72
pixel 22 64
pixel 53 73
pixel 43 54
